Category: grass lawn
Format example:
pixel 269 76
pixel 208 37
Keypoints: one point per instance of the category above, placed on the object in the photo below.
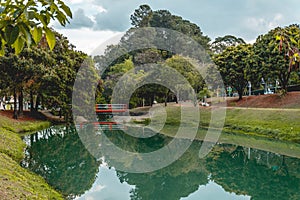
pixel 281 124
pixel 274 130
pixel 15 181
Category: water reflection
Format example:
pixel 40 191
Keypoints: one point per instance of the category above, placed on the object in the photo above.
pixel 262 175
pixel 228 172
pixel 58 155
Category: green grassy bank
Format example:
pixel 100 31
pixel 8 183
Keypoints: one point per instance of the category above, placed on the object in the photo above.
pixel 274 130
pixel 15 181
pixel 280 124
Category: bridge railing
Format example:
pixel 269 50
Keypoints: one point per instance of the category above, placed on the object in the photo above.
pixel 103 108
pixel 103 126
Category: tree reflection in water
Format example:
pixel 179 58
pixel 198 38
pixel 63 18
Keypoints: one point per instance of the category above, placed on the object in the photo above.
pixel 58 155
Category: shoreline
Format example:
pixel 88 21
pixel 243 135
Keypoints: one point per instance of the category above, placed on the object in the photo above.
pixel 278 132
pixel 17 182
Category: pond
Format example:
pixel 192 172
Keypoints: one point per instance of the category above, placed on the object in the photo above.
pixel 227 172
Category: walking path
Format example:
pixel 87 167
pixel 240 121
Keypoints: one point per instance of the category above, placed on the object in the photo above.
pixel 51 117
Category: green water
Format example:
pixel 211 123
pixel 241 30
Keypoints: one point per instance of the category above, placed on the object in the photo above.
pixel 228 172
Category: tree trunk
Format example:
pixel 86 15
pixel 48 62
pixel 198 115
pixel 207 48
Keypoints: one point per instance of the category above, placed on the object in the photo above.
pixel 37 103
pixel 240 92
pixel 31 102
pixel 21 98
pixel 15 115
pixel 166 98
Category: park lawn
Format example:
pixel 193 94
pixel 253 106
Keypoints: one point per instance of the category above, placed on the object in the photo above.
pixel 268 130
pixel 15 181
pixel 282 124
pixel 279 124
pixel 22 126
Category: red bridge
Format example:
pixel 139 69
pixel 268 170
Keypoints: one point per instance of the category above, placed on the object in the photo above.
pixel 110 108
pixel 104 125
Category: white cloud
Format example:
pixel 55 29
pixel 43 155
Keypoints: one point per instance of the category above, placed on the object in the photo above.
pixel 78 1
pixel 263 24
pixel 87 40
pixel 98 188
pixel 89 198
pixel 247 19
pixel 80 20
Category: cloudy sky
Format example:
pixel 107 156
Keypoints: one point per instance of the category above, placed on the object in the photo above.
pixel 95 21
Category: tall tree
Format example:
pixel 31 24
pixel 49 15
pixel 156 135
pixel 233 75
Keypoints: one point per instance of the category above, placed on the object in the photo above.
pixel 141 16
pixel 289 43
pixel 275 60
pixel 221 43
pixel 234 68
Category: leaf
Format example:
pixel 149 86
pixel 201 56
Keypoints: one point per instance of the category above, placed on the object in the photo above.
pixel 26 32
pixel 61 18
pixel 66 9
pixel 37 33
pixel 278 37
pixel 2 52
pixel 4 23
pixel 50 36
pixel 2 47
pixel 19 45
pixel 11 34
pixel 293 40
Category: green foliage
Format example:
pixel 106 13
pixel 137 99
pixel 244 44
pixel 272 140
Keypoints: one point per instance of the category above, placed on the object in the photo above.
pixel 145 17
pixel 24 22
pixel 233 64
pixel 186 69
pixel 221 43
pixel 273 59
pixel 289 43
pixel 47 75
pixel 141 16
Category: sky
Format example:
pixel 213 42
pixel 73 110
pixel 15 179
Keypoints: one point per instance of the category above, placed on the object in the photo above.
pixel 96 21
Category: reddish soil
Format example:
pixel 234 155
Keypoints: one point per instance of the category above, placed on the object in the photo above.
pixel 26 117
pixel 290 100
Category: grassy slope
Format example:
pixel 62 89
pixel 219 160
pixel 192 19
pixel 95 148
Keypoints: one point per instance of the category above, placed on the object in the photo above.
pixel 22 126
pixel 276 124
pixel 15 181
pixel 248 127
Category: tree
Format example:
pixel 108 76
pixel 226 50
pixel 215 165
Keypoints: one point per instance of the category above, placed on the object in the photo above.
pixel 277 61
pixel 25 22
pixel 145 17
pixel 233 64
pixel 221 43
pixel 289 43
pixel 164 19
pixel 57 85
pixel 185 68
pixel 151 54
pixel 141 16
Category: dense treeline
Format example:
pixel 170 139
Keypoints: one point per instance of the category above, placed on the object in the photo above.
pixel 40 78
pixel 270 63
pixel 44 79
